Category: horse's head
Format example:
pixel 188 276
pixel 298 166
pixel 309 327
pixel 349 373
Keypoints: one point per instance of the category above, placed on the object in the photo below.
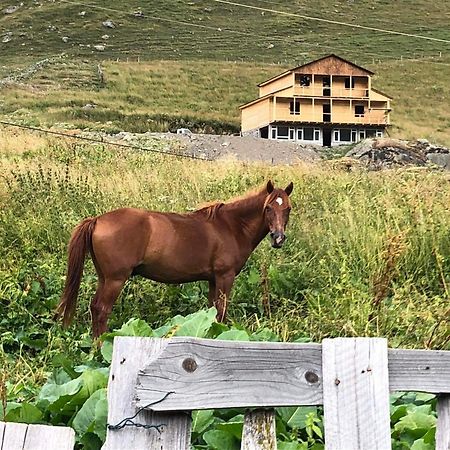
pixel 276 212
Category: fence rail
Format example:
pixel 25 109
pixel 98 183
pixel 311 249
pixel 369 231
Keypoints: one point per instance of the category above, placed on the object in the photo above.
pixel 20 436
pixel 351 377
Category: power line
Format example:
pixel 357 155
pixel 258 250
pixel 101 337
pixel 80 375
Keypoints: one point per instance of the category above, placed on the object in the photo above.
pixel 99 141
pixel 335 22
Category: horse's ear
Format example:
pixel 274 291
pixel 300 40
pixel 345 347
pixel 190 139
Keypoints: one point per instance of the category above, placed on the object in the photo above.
pixel 270 187
pixel 289 188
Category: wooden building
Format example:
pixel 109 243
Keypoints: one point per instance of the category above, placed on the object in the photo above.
pixel 327 102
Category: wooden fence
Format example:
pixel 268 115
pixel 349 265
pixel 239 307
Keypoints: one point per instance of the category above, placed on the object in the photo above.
pixel 20 436
pixel 350 377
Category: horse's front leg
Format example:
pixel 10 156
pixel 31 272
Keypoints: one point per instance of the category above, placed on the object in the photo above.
pixel 224 283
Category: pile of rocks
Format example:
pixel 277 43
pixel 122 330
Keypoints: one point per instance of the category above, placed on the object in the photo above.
pixel 384 153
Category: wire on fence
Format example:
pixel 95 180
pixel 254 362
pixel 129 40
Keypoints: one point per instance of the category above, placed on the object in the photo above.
pixel 100 141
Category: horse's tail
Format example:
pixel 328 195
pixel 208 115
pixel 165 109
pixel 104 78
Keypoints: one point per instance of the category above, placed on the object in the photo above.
pixel 79 245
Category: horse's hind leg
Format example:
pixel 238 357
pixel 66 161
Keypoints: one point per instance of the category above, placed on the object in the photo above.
pixel 103 302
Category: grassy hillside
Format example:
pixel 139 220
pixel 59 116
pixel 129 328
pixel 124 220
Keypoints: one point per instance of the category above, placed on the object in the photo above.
pixel 205 29
pixel 162 95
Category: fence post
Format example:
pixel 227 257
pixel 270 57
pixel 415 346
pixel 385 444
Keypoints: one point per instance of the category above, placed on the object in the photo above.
pixel 259 430
pixel 443 423
pixel 356 394
pixel 130 356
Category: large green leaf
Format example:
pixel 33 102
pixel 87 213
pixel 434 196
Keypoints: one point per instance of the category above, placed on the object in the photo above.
pixel 414 421
pixel 91 418
pixel 221 440
pixel 201 420
pixel 292 445
pixel 296 417
pixel 197 324
pixel 22 412
pixel 233 426
pixel 421 445
pixel 234 335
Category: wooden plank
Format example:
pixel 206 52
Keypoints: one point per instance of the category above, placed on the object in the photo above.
pixel 443 423
pixel 43 437
pixel 259 430
pixel 244 376
pixel 207 374
pixel 129 356
pixel 22 436
pixel 356 394
pixel 14 436
pixel 419 370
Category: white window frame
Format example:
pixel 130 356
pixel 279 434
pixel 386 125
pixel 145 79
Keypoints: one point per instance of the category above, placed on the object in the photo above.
pixel 361 135
pixel 295 111
pixel 379 133
pixel 292 134
pixel 353 136
pixel 299 133
pixel 336 135
pixel 317 132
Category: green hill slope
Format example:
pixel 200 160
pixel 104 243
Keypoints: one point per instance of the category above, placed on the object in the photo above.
pixel 199 29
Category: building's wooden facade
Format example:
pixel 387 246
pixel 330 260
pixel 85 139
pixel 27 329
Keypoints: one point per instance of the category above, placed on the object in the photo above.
pixel 329 101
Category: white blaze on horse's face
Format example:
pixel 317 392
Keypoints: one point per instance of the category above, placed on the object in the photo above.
pixel 279 200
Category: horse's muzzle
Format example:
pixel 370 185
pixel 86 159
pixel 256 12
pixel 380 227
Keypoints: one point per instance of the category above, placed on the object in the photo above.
pixel 277 239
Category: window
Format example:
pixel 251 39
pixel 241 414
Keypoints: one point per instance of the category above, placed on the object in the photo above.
pixel 379 133
pixel 345 135
pixel 294 107
pixel 316 135
pixel 349 83
pixel 308 134
pixel 282 132
pixel 370 133
pixel 362 134
pixel 299 134
pixel 303 80
pixel 353 135
pixel 336 135
pixel 326 107
pixel 359 110
pixel 274 132
pixel 292 134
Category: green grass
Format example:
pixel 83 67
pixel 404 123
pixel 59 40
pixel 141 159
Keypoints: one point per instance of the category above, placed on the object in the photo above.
pixel 192 31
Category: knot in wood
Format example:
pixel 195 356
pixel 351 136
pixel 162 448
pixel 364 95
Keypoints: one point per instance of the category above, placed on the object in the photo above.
pixel 311 377
pixel 189 365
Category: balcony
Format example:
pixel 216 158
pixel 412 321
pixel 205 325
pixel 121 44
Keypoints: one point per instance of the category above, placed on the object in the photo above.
pixel 326 91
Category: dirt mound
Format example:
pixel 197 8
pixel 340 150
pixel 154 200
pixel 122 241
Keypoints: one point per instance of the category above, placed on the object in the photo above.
pixel 213 146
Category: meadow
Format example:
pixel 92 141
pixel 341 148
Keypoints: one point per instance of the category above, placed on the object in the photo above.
pixel 367 254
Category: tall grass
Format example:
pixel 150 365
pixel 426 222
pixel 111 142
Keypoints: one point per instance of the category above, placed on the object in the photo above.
pixel 367 253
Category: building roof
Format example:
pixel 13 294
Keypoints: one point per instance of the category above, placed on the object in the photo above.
pixel 332 55
pixel 382 93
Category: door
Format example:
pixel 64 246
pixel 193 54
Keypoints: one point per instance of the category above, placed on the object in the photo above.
pixel 326 137
pixel 326 82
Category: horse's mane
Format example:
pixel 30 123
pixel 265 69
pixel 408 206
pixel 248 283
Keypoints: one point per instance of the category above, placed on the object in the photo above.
pixel 210 209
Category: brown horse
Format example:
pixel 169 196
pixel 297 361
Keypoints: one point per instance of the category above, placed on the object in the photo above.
pixel 210 244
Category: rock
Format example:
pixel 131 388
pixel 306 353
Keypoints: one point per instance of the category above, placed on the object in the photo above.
pixel 385 153
pixel 138 14
pixel 105 37
pixel 99 47
pixel 270 46
pixel 11 9
pixel 89 106
pixel 109 24
pixel 7 37
pixel 65 39
pixel 82 13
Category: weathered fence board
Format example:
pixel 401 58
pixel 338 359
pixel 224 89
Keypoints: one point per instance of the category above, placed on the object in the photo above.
pixel 206 374
pixel 443 422
pixel 356 394
pixel 20 436
pixel 259 430
pixel 129 356
pixel 419 370
pixel 263 374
